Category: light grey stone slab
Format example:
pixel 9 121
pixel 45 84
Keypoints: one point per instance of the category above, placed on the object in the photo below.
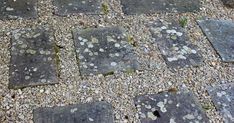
pixel 223 98
pixel 33 58
pixel 13 9
pixel 96 112
pixel 174 44
pixel 221 35
pixel 104 51
pixel 153 6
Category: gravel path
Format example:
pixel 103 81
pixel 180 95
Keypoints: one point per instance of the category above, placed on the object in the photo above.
pixel 118 89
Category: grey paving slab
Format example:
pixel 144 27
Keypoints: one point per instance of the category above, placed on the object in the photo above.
pixel 223 98
pixel 96 112
pixel 13 9
pixel 70 7
pixel 170 107
pixel 33 58
pixel 153 6
pixel 221 35
pixel 174 44
pixel 104 51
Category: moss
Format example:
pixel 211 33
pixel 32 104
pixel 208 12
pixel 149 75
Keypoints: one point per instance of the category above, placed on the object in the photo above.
pixel 206 106
pixel 130 71
pixel 183 21
pixel 109 73
pixel 131 41
pixel 105 8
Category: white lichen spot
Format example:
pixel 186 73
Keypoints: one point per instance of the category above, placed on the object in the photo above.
pixel 148 106
pixel 220 94
pixel 27 77
pixel 151 115
pixel 161 105
pixel 90 45
pixel 90 119
pixel 110 39
pixel 181 57
pixel 91 64
pixel 42 52
pixel 73 110
pixel 172 59
pixel 163 27
pixel 90 54
pixel 82 43
pixel 36 35
pixel 34 69
pixel 49 58
pixel 43 80
pixel 86 50
pixel 117 54
pixel 189 117
pixel 142 115
pixel 80 38
pixel 94 40
pixel 9 9
pixel 172 120
pixel 101 50
pixel 117 45
pixel 194 51
pixel 179 33
pixel 83 2
pixel 113 63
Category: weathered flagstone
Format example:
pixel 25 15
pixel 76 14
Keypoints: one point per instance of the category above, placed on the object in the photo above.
pixel 104 51
pixel 69 7
pixel 170 107
pixel 33 58
pixel 221 35
pixel 223 98
pixel 13 9
pixel 96 112
pixel 174 44
pixel 153 6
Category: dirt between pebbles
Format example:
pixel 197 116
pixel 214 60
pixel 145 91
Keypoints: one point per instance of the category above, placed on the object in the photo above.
pixel 118 89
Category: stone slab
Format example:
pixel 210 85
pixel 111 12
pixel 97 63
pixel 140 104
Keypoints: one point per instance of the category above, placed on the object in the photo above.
pixel 221 35
pixel 152 6
pixel 96 112
pixel 33 58
pixel 70 7
pixel 103 51
pixel 223 98
pixel 170 107
pixel 174 44
pixel 13 9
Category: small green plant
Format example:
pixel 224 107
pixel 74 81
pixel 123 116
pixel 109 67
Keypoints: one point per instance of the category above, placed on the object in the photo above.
pixel 183 21
pixel 131 40
pixel 206 106
pixel 105 8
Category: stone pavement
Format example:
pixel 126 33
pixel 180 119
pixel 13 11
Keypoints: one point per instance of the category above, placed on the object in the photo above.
pixel 107 50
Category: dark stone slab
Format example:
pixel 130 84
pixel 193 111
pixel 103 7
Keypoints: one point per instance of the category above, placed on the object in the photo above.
pixel 97 112
pixel 69 7
pixel 174 44
pixel 33 58
pixel 153 6
pixel 170 107
pixel 13 9
pixel 223 98
pixel 104 51
pixel 221 35
pixel 229 3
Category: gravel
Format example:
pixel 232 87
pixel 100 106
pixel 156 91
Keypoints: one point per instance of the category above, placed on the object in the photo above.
pixel 118 89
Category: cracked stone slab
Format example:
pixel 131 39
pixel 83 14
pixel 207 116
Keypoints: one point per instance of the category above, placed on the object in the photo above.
pixel 170 107
pixel 152 6
pixel 33 58
pixel 70 7
pixel 221 35
pixel 13 9
pixel 223 96
pixel 103 51
pixel 96 112
pixel 174 44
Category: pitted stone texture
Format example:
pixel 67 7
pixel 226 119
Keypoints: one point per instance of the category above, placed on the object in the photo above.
pixel 221 35
pixel 97 112
pixel 104 51
pixel 174 44
pixel 223 98
pixel 229 3
pixel 153 6
pixel 70 7
pixel 33 58
pixel 13 9
pixel 170 107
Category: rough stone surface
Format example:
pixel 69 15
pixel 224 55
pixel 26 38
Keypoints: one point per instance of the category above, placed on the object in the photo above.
pixel 221 35
pixel 223 96
pixel 229 3
pixel 97 112
pixel 174 44
pixel 152 6
pixel 13 9
pixel 33 58
pixel 104 51
pixel 170 107
pixel 68 7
